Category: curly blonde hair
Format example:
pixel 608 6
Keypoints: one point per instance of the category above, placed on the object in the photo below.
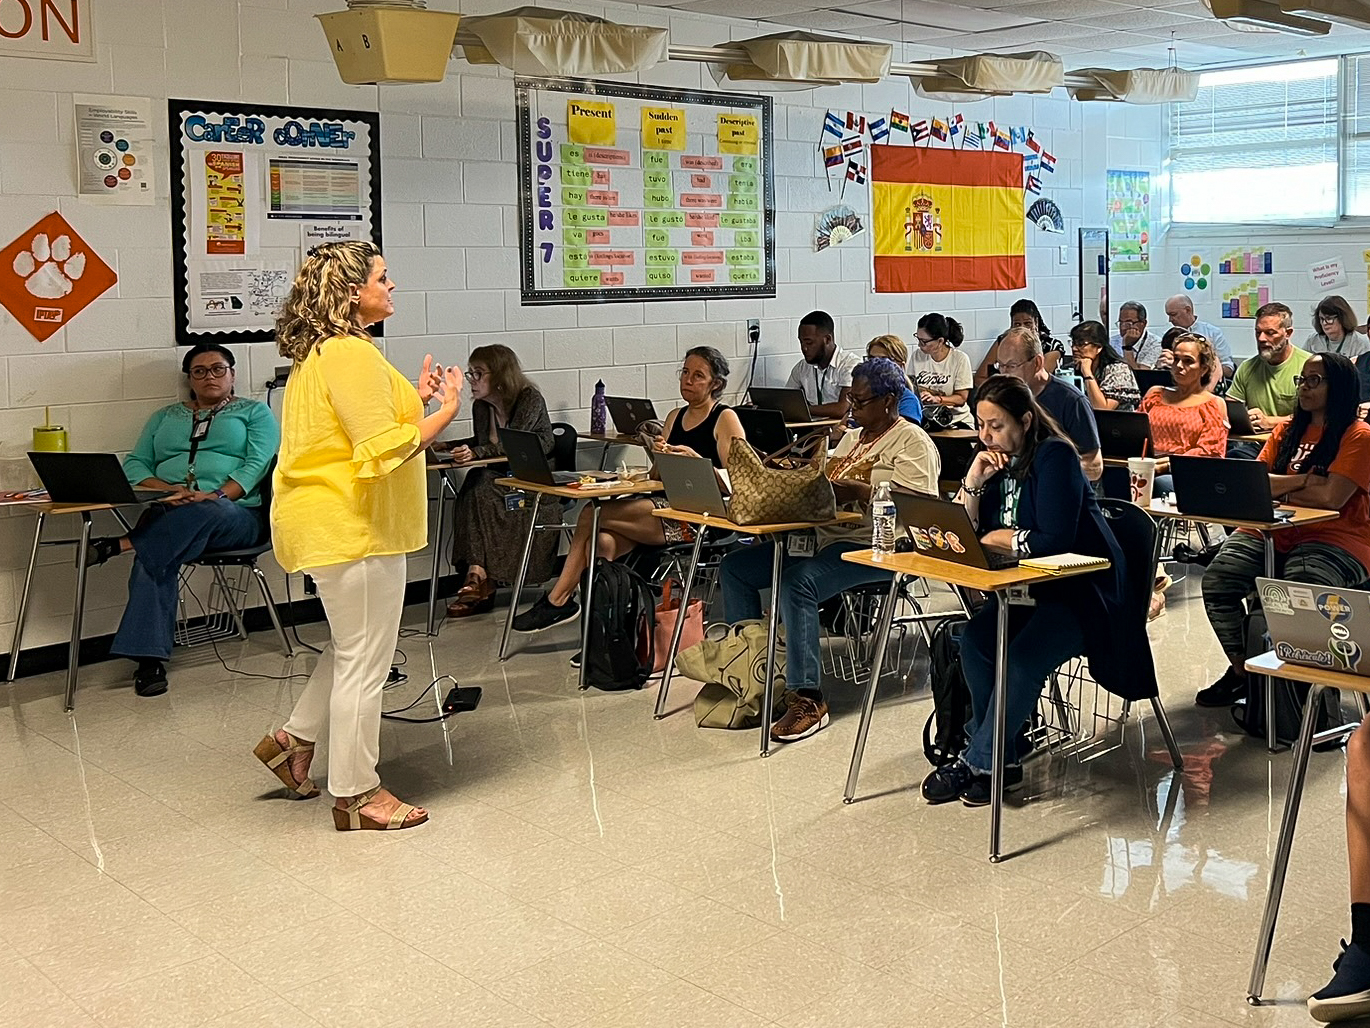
pixel 320 304
pixel 1208 355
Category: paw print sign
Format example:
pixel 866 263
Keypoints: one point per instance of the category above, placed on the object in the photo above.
pixel 49 274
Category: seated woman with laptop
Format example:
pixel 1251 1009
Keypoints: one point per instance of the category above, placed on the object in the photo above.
pixel 1185 417
pixel 887 448
pixel 942 373
pixel 1108 381
pixel 1027 495
pixel 211 452
pixel 1319 458
pixel 704 427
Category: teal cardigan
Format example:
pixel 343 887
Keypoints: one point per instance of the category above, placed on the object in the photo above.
pixel 242 440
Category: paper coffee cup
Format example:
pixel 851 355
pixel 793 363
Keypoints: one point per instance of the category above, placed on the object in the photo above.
pixel 1141 477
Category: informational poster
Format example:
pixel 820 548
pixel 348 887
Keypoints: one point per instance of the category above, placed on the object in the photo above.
pixel 114 139
pixel 253 188
pixel 1128 199
pixel 629 192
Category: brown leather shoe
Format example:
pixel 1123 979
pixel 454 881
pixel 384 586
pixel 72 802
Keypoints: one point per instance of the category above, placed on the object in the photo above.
pixel 477 596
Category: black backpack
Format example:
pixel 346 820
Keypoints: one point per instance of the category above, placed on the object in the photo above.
pixel 944 735
pixel 1290 698
pixel 622 611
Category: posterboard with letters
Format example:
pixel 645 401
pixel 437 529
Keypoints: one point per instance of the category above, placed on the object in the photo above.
pixel 254 187
pixel 629 192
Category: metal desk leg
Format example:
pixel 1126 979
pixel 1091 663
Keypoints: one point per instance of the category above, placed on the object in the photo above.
pixel 882 638
pixel 768 696
pixel 443 487
pixel 77 612
pixel 591 557
pixel 24 599
pixel 1280 864
pixel 1270 742
pixel 996 782
pixel 660 711
pixel 522 576
pixel 604 456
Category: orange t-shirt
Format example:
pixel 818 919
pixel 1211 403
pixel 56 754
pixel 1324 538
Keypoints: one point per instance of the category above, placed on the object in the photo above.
pixel 1351 531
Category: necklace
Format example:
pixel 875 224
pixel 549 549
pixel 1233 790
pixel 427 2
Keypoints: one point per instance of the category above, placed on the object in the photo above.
pixel 858 453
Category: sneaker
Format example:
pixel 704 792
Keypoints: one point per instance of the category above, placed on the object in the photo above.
pixel 1347 995
pixel 150 678
pixel 575 659
pixel 1226 691
pixel 803 717
pixel 946 783
pixel 978 792
pixel 542 615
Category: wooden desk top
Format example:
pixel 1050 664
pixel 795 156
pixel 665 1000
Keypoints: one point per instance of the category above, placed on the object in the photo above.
pixel 611 437
pixel 690 518
pixel 75 508
pixel 959 434
pixel 1269 664
pixel 449 465
pixel 598 492
pixel 957 574
pixel 1255 437
pixel 820 423
pixel 1302 516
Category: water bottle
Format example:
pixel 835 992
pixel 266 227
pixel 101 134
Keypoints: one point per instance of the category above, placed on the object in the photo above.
pixel 598 409
pixel 882 520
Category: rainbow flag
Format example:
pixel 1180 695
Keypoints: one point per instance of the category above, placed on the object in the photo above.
pixel 946 220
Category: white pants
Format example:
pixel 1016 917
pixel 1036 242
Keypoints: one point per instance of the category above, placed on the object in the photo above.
pixel 363 600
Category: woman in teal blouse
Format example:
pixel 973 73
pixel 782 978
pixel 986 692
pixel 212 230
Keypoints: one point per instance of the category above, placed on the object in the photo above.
pixel 212 452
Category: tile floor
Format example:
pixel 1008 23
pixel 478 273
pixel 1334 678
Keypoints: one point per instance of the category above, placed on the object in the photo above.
pixel 588 866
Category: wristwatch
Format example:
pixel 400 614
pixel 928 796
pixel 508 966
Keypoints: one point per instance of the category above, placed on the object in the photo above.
pixel 221 494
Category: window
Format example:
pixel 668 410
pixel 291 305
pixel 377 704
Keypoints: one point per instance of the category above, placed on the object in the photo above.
pixel 1356 136
pixel 1260 145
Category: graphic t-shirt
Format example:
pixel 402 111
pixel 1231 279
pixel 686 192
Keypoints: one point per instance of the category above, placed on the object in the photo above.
pixel 951 375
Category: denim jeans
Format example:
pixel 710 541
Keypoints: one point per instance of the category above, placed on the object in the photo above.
pixel 805 582
pixel 1040 639
pixel 163 540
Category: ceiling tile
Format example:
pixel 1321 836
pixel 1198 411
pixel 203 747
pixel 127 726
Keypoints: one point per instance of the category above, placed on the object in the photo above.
pixel 1069 10
pixel 938 15
pixel 750 8
pixel 835 21
pixel 1138 18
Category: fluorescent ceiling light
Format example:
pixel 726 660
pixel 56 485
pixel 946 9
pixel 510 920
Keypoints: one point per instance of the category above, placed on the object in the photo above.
pixel 1265 15
pixel 1343 12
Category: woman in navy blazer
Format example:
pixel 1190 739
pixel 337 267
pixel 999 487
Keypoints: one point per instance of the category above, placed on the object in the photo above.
pixel 1027 496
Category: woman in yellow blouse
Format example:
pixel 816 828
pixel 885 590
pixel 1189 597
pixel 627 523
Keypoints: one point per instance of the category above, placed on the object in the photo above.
pixel 350 502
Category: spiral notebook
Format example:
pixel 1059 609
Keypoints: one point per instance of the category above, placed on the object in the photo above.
pixel 1061 562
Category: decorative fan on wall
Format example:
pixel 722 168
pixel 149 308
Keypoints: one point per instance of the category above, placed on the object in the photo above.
pixel 835 226
pixel 1046 216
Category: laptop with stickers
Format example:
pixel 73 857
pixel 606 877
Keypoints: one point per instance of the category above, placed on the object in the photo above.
pixel 1317 626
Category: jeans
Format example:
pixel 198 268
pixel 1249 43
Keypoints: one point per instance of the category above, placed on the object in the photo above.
pixel 163 540
pixel 1040 639
pixel 805 582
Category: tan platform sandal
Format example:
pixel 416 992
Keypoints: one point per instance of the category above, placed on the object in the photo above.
pixel 353 820
pixel 277 759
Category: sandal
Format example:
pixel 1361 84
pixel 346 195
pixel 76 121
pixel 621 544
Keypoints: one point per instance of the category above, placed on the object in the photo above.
pixel 353 820
pixel 477 596
pixel 277 759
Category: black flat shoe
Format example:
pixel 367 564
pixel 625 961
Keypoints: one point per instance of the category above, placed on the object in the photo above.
pixel 101 550
pixel 150 678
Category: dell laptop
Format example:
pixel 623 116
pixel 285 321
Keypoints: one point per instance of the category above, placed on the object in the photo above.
pixel 790 402
pixel 89 478
pixel 629 413
pixel 1239 418
pixel 691 484
pixel 529 463
pixel 1224 488
pixel 1316 625
pixel 1124 433
pixel 942 529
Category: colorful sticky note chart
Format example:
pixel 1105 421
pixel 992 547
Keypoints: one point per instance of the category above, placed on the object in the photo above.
pixel 1242 301
pixel 1247 262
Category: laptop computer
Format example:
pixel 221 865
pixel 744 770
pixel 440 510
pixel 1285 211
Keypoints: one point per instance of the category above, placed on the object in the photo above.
pixel 1224 488
pixel 1124 433
pixel 764 428
pixel 528 462
pixel 790 402
pixel 1239 418
pixel 1148 379
pixel 628 413
pixel 89 478
pixel 1317 626
pixel 942 529
pixel 691 484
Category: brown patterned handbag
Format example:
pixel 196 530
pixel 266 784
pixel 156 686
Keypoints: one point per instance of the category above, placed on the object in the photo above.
pixel 768 496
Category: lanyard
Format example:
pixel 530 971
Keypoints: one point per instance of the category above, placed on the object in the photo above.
pixel 199 430
pixel 819 383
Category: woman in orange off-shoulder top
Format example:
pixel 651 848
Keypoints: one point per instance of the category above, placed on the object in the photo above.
pixel 1185 417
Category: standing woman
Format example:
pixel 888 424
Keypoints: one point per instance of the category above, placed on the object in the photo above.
pixel 350 502
pixel 488 536
pixel 942 373
pixel 1334 330
pixel 1108 381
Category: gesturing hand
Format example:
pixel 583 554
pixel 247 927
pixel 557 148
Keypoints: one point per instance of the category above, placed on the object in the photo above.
pixel 449 387
pixel 430 379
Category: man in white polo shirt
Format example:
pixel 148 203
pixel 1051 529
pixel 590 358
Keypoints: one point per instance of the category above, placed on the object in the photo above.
pixel 825 372
pixel 1180 310
pixel 1137 344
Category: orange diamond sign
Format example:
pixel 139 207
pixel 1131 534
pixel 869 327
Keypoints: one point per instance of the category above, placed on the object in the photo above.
pixel 49 275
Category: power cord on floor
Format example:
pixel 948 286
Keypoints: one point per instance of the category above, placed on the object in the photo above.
pixel 214 643
pixel 290 610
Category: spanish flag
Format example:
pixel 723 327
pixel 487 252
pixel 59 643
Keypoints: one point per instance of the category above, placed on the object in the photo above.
pixel 946 220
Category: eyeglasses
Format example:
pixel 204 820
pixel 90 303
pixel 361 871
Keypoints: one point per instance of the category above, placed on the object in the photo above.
pixel 924 340
pixel 1129 322
pixel 212 371
pixel 1328 319
pixel 1311 381
pixel 474 374
pixel 859 404
pixel 1010 365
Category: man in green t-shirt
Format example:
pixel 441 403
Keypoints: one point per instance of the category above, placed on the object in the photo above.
pixel 1265 383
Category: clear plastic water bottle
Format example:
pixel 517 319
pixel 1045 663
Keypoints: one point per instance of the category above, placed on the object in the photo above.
pixel 882 520
pixel 599 408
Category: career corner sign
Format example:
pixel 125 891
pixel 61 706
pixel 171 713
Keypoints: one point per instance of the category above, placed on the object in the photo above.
pixel 53 30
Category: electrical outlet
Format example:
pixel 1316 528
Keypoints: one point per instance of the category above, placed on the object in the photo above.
pixel 1063 254
pixel 753 331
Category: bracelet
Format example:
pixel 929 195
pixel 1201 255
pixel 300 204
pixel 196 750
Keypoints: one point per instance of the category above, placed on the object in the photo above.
pixel 972 490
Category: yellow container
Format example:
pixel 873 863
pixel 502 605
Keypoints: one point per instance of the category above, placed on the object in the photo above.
pixel 390 44
pixel 49 438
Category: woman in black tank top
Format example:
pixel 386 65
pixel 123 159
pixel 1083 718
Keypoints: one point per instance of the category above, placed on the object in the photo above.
pixel 705 427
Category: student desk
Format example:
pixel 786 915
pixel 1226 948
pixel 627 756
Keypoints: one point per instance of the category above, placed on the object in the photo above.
pixel 610 439
pixel 1318 679
pixel 446 488
pixel 1266 530
pixel 796 426
pixel 702 523
pixel 1010 586
pixel 78 607
pixel 1254 437
pixel 595 495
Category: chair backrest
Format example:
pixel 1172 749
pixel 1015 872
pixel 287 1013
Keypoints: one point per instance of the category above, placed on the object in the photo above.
pixel 1139 539
pixel 264 488
pixel 564 439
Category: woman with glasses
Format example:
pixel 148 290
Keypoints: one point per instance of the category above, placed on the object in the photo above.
pixel 1319 458
pixel 1109 383
pixel 210 452
pixel 1024 314
pixel 704 427
pixel 942 373
pixel 488 536
pixel 1335 330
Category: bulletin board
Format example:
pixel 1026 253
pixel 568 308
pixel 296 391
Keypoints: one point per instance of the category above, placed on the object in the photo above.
pixel 627 192
pixel 252 188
